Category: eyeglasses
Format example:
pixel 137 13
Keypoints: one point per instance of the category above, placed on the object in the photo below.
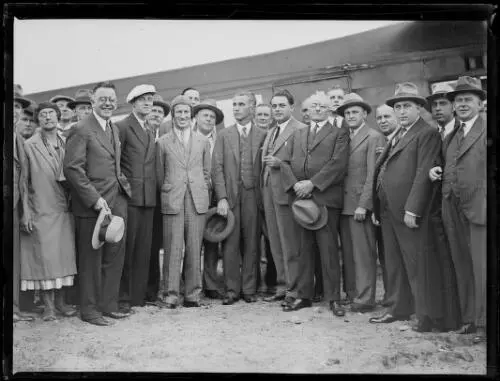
pixel 321 106
pixel 44 114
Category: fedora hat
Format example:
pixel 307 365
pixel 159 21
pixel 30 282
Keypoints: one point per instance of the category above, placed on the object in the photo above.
pixel 467 84
pixel 353 99
pixel 139 90
pixel 18 96
pixel 82 96
pixel 108 228
pixel 406 91
pixel 217 227
pixel 61 97
pixel 439 90
pixel 210 104
pixel 309 215
pixel 158 101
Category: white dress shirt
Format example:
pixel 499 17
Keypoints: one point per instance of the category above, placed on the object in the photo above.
pixel 183 135
pixel 248 126
pixel 319 125
pixel 211 139
pixel 448 127
pixel 335 121
pixel 102 122
pixel 469 124
pixel 141 122
pixel 353 133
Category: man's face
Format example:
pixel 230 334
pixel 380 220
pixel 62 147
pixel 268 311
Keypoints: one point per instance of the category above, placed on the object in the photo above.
pixel 386 119
pixel 182 116
pixel 142 105
pixel 355 116
pixel 82 110
pixel 442 110
pixel 194 97
pixel 242 109
pixel 467 105
pixel 407 112
pixel 263 117
pixel 47 119
pixel 282 110
pixel 66 112
pixel 205 120
pixel 26 125
pixel 104 102
pixel 156 116
pixel 319 108
pixel 304 110
pixel 18 109
pixel 336 98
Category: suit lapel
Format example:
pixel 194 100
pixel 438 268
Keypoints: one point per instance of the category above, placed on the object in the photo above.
pixel 175 144
pixel 359 138
pixel 101 136
pixel 137 130
pixel 267 141
pixel 403 142
pixel 475 132
pixel 323 133
pixel 256 138
pixel 284 135
pixel 234 140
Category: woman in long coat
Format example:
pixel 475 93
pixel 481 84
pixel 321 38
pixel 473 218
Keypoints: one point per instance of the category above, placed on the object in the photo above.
pixel 48 248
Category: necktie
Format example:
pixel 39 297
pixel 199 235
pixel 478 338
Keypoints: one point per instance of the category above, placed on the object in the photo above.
pixel 276 133
pixel 244 132
pixel 441 131
pixel 314 129
pixel 460 134
pixel 398 137
pixel 109 131
pixel 351 134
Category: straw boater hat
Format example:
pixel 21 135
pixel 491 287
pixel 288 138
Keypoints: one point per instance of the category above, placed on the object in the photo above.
pixel 18 96
pixel 140 90
pixel 82 96
pixel 61 97
pixel 309 215
pixel 108 228
pixel 439 90
pixel 353 99
pixel 406 91
pixel 217 227
pixel 158 101
pixel 210 104
pixel 467 84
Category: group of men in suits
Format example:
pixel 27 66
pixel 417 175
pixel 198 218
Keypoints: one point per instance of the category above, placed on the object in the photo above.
pixel 331 193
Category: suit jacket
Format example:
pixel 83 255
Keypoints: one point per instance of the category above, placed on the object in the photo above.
pixel 178 172
pixel 471 171
pixel 19 175
pixel 406 180
pixel 362 158
pixel 138 161
pixel 92 167
pixel 325 164
pixel 226 162
pixel 273 175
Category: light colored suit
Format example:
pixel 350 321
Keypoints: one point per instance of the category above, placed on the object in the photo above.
pixel 358 237
pixel 281 229
pixel 184 178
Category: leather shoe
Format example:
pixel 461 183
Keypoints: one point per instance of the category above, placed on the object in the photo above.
pixel 228 300
pixel 287 300
pixel 317 298
pixel 426 324
pixel 98 321
pixel 337 309
pixel 213 294
pixel 466 329
pixel 157 303
pixel 358 307
pixel 19 316
pixel 345 302
pixel 125 308
pixel 386 319
pixel 116 314
pixel 188 304
pixel 297 305
pixel 275 298
pixel 250 298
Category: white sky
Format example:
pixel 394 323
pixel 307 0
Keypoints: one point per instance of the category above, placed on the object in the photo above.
pixel 51 54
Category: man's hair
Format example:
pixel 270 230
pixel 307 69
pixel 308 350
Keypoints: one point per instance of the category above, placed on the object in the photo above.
pixel 249 95
pixel 106 84
pixel 382 105
pixel 187 89
pixel 263 105
pixel 284 93
pixel 336 87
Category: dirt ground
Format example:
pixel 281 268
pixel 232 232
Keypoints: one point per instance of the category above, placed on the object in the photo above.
pixel 256 337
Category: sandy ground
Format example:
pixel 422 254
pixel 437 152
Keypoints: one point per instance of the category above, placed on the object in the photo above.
pixel 256 337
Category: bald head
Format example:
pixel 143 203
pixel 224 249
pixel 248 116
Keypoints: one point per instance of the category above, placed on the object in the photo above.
pixel 386 119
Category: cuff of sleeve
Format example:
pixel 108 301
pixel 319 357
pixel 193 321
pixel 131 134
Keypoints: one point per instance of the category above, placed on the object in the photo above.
pixel 411 214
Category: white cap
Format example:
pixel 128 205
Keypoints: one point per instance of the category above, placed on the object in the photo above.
pixel 140 90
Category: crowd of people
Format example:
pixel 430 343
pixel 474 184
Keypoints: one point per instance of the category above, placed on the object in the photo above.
pixel 328 197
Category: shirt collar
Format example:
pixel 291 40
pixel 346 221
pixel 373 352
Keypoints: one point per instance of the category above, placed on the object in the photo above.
pixel 355 132
pixel 101 121
pixel 470 122
pixel 284 124
pixel 320 124
pixel 449 126
pixel 187 132
pixel 390 136
pixel 411 125
pixel 240 127
pixel 141 122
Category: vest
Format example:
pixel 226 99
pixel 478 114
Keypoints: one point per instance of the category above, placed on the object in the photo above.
pixel 450 169
pixel 246 167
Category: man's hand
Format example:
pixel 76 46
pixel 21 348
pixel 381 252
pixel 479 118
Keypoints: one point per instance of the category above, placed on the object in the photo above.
pixel 222 207
pixel 303 188
pixel 101 203
pixel 375 221
pixel 27 222
pixel 272 161
pixel 359 214
pixel 435 173
pixel 410 221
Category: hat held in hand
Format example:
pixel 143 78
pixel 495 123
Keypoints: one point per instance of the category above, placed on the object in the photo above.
pixel 217 227
pixel 309 215
pixel 108 229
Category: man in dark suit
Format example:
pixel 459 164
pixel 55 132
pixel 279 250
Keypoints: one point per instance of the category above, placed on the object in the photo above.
pixel 281 229
pixel 401 194
pixel 92 169
pixel 442 109
pixel 463 175
pixel 356 229
pixel 236 184
pixel 138 165
pixel 158 112
pixel 315 166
